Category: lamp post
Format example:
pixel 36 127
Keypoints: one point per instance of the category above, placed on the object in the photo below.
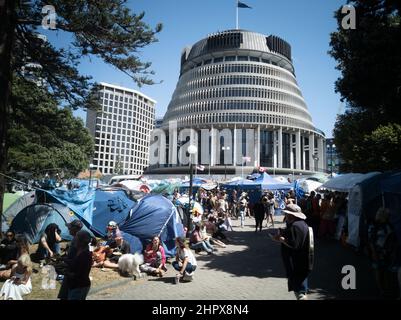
pixel 91 166
pixel 331 149
pixel 192 150
pixel 225 164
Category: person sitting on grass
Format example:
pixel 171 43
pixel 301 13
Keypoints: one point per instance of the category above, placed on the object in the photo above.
pixel 185 262
pixel 8 249
pixel 155 258
pixel 22 248
pixel 109 255
pixel 20 282
pixel 198 243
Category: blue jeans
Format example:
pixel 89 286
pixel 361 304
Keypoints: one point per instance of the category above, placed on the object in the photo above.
pixel 303 287
pixel 189 268
pixel 203 245
pixel 43 253
pixel 78 293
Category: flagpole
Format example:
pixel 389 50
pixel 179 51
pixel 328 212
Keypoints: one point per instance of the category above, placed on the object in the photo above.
pixel 237 16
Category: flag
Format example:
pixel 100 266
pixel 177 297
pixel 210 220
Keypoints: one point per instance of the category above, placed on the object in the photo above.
pixel 243 5
pixel 247 159
pixel 200 168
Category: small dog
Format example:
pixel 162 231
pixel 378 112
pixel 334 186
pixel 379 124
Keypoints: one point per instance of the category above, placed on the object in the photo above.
pixel 128 265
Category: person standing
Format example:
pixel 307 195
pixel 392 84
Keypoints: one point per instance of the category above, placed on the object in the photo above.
pixel 79 268
pixel 296 250
pixel 260 212
pixel 73 227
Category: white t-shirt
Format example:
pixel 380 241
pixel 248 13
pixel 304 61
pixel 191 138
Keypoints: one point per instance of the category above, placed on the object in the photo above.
pixel 183 253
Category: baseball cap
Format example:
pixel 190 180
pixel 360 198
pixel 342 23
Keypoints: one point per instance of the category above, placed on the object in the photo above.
pixel 112 224
pixel 75 224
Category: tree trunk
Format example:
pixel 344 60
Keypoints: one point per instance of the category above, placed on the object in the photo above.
pixel 7 28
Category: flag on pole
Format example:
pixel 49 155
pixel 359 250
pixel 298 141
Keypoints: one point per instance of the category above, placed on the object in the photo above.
pixel 200 168
pixel 246 159
pixel 243 5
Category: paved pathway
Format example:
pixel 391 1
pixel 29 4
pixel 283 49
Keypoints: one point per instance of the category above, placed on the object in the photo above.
pixel 250 268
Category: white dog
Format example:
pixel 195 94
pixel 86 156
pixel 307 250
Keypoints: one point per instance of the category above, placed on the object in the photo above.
pixel 128 265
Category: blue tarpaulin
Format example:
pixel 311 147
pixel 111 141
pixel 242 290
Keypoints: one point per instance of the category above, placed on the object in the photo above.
pixel 155 215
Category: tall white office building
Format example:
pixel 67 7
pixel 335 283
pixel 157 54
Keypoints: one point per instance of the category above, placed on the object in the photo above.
pixel 121 130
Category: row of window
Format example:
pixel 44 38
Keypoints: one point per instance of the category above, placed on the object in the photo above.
pixel 122 96
pixel 240 80
pixel 217 105
pixel 103 146
pixel 141 111
pixel 238 92
pixel 238 68
pixel 138 131
pixel 111 170
pixel 221 118
pixel 126 124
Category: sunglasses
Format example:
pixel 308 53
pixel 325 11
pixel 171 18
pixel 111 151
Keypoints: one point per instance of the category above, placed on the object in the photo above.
pixel 9 235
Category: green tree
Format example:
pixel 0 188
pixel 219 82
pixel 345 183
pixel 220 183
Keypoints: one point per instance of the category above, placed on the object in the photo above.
pixel 42 135
pixel 106 29
pixel 369 58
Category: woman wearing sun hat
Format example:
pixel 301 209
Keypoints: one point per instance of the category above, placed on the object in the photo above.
pixel 297 250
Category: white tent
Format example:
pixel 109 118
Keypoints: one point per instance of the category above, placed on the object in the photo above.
pixel 345 182
pixel 309 185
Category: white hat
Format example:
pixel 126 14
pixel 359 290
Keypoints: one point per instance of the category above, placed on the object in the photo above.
pixel 294 210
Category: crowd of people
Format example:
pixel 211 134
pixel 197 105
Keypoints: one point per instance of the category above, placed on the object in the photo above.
pixel 317 216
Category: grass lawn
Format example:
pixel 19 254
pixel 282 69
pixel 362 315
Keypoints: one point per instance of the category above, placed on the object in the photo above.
pixel 98 277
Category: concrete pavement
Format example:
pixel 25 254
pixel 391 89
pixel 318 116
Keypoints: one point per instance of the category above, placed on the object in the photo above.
pixel 250 268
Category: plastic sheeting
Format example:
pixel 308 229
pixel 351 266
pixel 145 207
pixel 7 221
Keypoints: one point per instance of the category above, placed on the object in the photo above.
pixel 155 215
pixel 78 200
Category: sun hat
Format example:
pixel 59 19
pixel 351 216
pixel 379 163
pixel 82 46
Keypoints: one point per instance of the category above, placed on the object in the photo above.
pixel 294 210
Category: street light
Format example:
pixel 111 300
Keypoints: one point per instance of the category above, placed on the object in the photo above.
pixel 192 150
pixel 331 149
pixel 91 166
pixel 225 163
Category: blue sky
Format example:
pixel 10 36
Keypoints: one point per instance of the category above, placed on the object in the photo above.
pixel 305 24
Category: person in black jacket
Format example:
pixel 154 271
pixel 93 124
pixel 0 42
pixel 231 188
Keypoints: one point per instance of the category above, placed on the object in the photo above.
pixel 296 250
pixel 8 249
pixel 79 268
pixel 260 212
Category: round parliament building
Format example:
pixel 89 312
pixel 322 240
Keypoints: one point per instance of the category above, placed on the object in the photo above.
pixel 237 100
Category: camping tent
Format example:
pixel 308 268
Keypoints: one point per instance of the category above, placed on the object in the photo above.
pixel 11 212
pixel 346 182
pixel 33 220
pixel 110 205
pixel 154 215
pixel 391 191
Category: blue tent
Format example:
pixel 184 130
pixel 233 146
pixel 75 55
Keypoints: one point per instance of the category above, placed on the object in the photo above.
pixel 269 183
pixel 95 208
pixel 33 220
pixel 113 205
pixel 155 215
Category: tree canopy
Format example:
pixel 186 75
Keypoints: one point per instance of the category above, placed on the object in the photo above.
pixel 369 59
pixel 106 29
pixel 43 136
